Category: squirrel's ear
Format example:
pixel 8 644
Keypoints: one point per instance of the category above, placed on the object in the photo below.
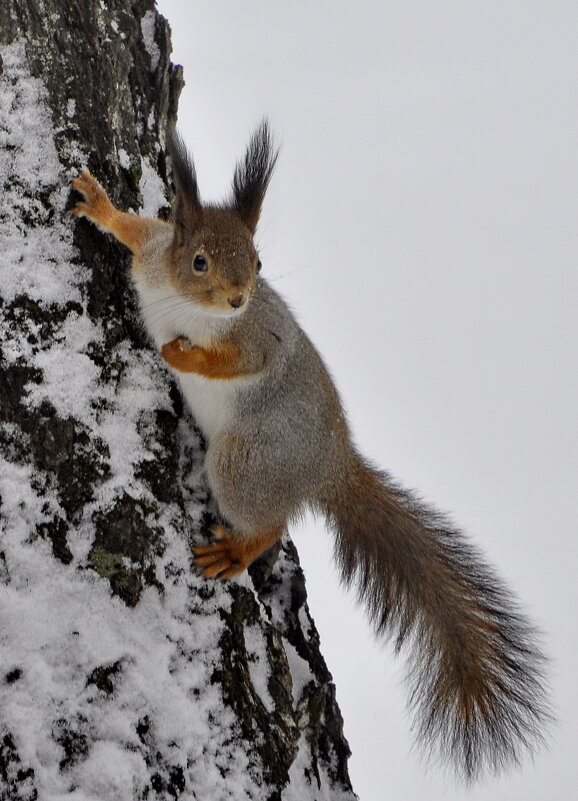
pixel 188 211
pixel 252 176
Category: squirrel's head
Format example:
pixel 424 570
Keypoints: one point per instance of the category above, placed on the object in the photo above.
pixel 213 258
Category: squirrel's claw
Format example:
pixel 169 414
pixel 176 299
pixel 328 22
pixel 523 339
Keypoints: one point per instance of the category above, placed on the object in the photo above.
pixel 81 210
pixel 177 353
pixel 96 206
pixel 223 558
pixel 87 185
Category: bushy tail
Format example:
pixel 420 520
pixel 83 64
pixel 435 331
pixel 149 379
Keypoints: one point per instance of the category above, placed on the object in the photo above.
pixel 475 671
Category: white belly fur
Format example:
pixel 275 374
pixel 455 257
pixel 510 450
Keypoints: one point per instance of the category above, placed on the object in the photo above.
pixel 210 400
pixel 165 317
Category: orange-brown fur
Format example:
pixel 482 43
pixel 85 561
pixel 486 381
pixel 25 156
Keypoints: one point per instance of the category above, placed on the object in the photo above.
pixel 130 229
pixel 232 552
pixel 220 362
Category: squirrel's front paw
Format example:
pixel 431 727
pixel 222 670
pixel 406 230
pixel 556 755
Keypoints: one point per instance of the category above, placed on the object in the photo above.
pixel 177 353
pixel 97 207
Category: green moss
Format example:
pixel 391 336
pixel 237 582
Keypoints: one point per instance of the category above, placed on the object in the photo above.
pixel 107 564
pixel 126 582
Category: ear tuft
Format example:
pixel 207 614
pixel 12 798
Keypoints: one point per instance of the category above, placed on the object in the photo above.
pixel 252 176
pixel 188 211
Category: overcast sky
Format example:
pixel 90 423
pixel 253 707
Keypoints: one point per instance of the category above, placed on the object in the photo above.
pixel 422 224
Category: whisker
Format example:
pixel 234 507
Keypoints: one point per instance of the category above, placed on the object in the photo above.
pixel 161 314
pixel 167 299
pixel 190 314
pixel 185 313
pixel 284 275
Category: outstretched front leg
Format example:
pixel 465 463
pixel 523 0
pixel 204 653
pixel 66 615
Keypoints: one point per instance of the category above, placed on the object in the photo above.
pixel 232 553
pixel 130 229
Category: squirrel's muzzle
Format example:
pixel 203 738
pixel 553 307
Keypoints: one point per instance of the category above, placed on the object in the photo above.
pixel 236 301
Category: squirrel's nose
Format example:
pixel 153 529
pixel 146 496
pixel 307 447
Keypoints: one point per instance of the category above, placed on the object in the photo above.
pixel 236 301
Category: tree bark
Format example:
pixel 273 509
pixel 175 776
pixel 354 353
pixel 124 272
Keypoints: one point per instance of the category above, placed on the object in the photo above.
pixel 123 674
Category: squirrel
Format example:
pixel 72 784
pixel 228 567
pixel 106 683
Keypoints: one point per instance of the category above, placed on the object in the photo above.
pixel 278 441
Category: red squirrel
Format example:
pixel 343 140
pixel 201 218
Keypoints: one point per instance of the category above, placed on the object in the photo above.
pixel 278 442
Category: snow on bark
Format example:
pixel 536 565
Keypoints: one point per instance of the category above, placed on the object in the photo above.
pixel 123 674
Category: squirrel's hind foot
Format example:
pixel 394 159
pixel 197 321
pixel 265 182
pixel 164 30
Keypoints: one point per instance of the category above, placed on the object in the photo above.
pixel 223 558
pixel 231 553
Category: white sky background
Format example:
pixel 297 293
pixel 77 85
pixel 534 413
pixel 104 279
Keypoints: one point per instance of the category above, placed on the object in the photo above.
pixel 423 220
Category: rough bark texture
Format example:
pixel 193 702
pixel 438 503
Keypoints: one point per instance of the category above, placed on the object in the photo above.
pixel 84 522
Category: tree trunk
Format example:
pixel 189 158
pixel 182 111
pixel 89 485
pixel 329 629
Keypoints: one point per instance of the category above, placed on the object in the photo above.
pixel 123 674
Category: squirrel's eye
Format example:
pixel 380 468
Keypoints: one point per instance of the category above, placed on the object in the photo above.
pixel 259 265
pixel 200 264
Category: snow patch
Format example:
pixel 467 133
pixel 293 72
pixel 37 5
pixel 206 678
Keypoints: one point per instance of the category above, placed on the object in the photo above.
pixel 256 646
pixel 34 260
pixel 300 671
pixel 147 25
pixel 123 158
pixel 303 784
pixel 152 190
